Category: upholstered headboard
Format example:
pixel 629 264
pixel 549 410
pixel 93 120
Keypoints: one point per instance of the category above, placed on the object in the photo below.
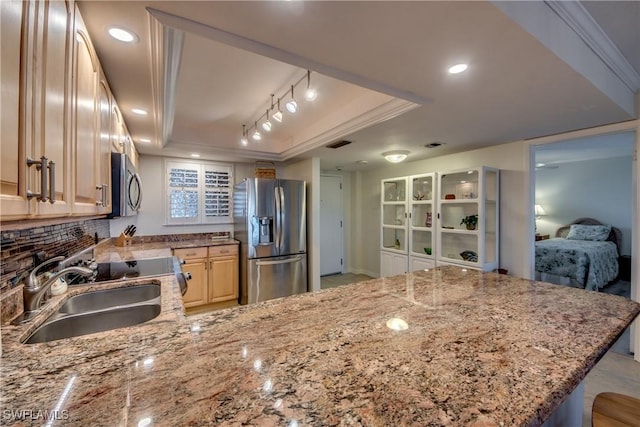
pixel 615 236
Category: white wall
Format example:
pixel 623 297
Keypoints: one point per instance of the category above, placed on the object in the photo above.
pixel 599 189
pixel 515 216
pixel 150 218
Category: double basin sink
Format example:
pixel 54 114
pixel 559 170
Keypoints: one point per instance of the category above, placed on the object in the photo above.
pixel 100 311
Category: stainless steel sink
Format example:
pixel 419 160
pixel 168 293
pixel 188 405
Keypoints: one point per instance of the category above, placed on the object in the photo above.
pixel 100 300
pixel 98 321
pixel 100 311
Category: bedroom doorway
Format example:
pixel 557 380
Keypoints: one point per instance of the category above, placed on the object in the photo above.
pixel 592 175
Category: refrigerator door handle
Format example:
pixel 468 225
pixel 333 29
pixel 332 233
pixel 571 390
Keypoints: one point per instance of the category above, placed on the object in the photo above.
pixel 280 261
pixel 281 215
pixel 278 224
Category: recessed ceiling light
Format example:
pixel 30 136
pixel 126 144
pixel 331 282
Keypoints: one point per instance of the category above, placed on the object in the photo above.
pixel 196 155
pixel 145 140
pixel 458 68
pixel 123 35
pixel 139 111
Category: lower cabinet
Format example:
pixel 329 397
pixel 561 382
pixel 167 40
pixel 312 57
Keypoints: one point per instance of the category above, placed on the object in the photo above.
pixel 392 264
pixel 214 274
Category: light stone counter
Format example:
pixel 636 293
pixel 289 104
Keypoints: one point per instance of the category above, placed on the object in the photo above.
pixel 480 349
pixel 107 252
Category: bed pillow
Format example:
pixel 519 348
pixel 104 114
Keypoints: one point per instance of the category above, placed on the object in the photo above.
pixel 589 232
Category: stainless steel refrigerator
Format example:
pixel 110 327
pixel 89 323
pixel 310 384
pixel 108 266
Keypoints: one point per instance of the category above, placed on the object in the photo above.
pixel 270 221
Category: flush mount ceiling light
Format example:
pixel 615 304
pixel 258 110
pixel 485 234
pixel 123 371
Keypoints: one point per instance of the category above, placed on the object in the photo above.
pixel 123 35
pixel 276 113
pixel 139 111
pixel 458 68
pixel 395 156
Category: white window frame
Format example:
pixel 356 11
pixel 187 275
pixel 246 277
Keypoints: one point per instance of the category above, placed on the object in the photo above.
pixel 202 169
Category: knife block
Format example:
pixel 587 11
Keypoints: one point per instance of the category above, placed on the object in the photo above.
pixel 123 241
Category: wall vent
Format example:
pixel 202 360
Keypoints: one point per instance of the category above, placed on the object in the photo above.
pixel 339 144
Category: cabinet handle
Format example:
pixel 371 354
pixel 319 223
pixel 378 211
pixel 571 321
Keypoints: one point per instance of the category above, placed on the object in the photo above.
pixel 41 165
pixel 105 187
pixel 52 182
pixel 99 202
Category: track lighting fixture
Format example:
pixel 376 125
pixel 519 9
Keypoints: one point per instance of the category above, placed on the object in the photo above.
pixel 276 113
pixel 244 141
pixel 277 116
pixel 292 105
pixel 266 125
pixel 256 135
pixel 310 94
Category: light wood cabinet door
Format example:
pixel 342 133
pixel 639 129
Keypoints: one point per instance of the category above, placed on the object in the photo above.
pixel 223 278
pixel 85 120
pixel 116 128
pixel 13 150
pixel 103 185
pixel 53 124
pixel 197 286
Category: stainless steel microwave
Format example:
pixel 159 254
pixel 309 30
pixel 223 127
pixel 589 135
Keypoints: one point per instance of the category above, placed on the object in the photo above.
pixel 126 185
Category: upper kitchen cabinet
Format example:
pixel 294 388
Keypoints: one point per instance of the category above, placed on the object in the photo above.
pixel 13 198
pixel 53 128
pixel 36 68
pixel 120 139
pixel 103 170
pixel 85 108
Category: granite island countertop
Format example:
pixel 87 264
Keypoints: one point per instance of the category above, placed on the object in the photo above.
pixel 480 349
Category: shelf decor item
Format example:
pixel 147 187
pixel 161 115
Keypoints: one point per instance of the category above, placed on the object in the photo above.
pixel 470 221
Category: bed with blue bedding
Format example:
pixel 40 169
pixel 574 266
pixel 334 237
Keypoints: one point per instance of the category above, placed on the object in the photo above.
pixel 583 254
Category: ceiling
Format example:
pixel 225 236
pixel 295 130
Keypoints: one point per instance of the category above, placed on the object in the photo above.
pixel 203 69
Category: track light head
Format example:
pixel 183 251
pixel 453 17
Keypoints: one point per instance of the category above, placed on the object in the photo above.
pixel 292 105
pixel 310 94
pixel 266 125
pixel 277 116
pixel 256 135
pixel 244 141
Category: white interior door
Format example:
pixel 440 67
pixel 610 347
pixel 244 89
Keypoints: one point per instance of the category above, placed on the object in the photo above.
pixel 330 225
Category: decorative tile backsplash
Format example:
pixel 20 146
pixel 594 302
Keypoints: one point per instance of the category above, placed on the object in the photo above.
pixel 18 247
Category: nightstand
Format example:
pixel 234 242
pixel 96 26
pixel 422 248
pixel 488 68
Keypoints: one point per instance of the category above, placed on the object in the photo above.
pixel 541 237
pixel 624 263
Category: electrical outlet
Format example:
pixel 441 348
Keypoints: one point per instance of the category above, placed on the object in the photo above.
pixel 38 258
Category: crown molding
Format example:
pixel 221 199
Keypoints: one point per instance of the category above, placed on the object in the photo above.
pixel 383 112
pixel 576 16
pixel 282 55
pixel 166 54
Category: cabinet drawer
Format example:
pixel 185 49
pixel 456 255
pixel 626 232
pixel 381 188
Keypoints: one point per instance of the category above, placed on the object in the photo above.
pixel 190 253
pixel 223 250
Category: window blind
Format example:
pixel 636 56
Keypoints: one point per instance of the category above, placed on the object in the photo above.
pixel 198 193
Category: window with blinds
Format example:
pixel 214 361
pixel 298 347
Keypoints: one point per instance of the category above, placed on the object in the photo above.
pixel 198 193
